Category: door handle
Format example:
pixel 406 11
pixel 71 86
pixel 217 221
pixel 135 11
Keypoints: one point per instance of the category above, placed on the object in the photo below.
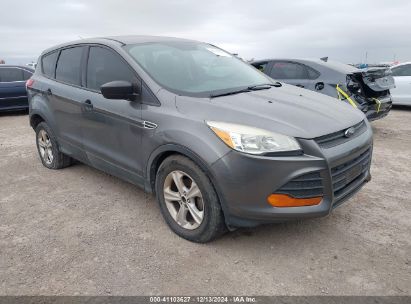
pixel 299 85
pixel 88 104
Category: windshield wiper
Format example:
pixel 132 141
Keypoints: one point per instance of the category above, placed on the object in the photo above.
pixel 231 93
pixel 257 87
pixel 264 86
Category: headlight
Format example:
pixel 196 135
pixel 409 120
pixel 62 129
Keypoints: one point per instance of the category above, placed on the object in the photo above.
pixel 253 140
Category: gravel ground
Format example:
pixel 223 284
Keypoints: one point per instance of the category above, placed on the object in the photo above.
pixel 78 231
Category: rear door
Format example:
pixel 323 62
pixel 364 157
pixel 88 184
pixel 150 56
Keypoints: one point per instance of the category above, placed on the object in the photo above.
pixel 112 129
pixel 66 99
pixel 12 87
pixel 294 73
pixel 401 94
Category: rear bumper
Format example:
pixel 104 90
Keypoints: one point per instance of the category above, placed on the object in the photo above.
pixel 377 109
pixel 245 181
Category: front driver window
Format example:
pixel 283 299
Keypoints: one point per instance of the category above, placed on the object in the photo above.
pixel 106 66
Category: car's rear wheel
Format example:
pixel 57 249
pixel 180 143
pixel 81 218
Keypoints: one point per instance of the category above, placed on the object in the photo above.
pixel 188 201
pixel 48 149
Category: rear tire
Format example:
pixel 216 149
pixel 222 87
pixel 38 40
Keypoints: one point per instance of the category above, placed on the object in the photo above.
pixel 188 201
pixel 48 148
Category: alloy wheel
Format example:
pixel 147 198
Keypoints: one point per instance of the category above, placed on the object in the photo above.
pixel 184 200
pixel 45 147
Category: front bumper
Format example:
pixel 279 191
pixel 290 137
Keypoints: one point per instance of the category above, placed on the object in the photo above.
pixel 245 181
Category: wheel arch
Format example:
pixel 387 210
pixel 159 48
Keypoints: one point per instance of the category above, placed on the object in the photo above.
pixel 35 120
pixel 161 153
pixel 40 111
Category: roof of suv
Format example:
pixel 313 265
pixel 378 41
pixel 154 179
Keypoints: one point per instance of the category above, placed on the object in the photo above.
pixel 124 40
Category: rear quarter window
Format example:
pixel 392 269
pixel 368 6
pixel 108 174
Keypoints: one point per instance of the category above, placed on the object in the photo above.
pixel 312 74
pixel 68 68
pixel 27 74
pixel 48 63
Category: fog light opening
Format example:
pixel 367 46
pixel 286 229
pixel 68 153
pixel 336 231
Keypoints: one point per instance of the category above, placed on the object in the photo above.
pixel 284 200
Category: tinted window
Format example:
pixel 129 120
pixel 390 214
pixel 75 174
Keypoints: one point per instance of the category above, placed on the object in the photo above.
pixel 404 70
pixel 11 74
pixel 69 65
pixel 27 74
pixel 105 66
pixel 288 70
pixel 312 74
pixel 49 64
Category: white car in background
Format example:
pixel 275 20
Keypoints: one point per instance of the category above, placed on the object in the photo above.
pixel 32 65
pixel 401 94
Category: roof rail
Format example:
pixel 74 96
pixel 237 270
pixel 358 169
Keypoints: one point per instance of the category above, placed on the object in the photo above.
pixel 112 39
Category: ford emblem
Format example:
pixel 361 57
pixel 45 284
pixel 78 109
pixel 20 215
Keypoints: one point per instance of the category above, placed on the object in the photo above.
pixel 349 132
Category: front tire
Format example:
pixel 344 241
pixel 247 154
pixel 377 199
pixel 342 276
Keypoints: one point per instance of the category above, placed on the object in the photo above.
pixel 188 201
pixel 48 149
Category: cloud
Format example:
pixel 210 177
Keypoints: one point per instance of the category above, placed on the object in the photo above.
pixel 343 30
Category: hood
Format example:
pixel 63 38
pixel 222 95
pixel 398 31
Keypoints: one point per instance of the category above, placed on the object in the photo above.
pixel 287 110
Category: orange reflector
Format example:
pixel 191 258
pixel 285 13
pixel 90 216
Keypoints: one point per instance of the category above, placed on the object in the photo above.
pixel 224 136
pixel 283 200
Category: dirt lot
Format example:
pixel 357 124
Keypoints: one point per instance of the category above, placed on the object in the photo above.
pixel 80 231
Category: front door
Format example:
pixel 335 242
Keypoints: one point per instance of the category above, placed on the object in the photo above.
pixel 112 129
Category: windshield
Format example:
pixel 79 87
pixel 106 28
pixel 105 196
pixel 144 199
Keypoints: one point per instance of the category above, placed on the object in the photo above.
pixel 196 69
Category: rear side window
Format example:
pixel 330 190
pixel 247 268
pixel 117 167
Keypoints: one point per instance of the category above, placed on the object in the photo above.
pixel 48 63
pixel 404 70
pixel 69 65
pixel 11 75
pixel 288 70
pixel 105 66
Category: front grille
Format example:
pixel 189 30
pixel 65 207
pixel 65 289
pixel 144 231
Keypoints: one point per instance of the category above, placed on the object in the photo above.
pixel 347 177
pixel 304 186
pixel 338 138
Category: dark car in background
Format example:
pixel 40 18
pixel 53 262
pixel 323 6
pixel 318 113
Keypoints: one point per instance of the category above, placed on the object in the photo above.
pixel 13 95
pixel 365 89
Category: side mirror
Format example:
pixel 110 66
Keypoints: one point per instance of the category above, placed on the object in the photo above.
pixel 118 90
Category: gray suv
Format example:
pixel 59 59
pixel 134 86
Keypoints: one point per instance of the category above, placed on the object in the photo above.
pixel 219 143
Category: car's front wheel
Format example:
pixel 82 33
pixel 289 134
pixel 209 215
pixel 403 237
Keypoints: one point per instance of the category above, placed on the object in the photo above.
pixel 188 200
pixel 48 149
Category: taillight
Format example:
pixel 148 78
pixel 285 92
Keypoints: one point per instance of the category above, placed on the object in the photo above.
pixel 29 83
